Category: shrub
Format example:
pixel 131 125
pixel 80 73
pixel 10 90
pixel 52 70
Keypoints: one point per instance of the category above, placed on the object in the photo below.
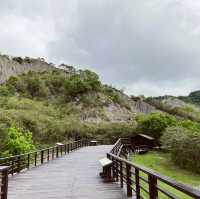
pixel 154 124
pixel 5 91
pixel 188 124
pixel 84 82
pixel 18 59
pixel 18 142
pixel 184 146
pixel 173 135
pixel 110 132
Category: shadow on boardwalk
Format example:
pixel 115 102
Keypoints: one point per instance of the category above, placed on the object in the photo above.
pixel 74 176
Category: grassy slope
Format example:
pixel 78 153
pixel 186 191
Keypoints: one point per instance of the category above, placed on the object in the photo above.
pixel 52 111
pixel 161 163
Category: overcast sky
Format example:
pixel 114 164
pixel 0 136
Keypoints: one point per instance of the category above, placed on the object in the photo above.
pixel 149 47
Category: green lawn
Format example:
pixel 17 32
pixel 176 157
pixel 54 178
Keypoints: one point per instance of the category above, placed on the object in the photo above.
pixel 161 163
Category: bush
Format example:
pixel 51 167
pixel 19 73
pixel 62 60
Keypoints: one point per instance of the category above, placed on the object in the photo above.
pixel 188 124
pixel 17 142
pixel 154 124
pixel 84 82
pixel 4 91
pixel 184 146
pixel 33 85
pixel 18 59
pixel 173 135
pixel 108 133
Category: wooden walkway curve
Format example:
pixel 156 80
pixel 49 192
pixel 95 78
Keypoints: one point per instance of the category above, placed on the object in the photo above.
pixel 73 176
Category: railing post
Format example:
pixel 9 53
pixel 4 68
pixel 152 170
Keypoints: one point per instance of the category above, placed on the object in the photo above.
pixel 12 166
pixel 57 151
pixel 121 174
pixel 71 146
pixel 52 153
pixel 61 150
pixel 18 164
pixel 4 182
pixel 28 163
pixel 153 191
pixel 128 180
pixel 47 154
pixel 137 183
pixel 81 143
pixel 116 171
pixel 65 148
pixel 42 156
pixel 35 159
pixel 68 148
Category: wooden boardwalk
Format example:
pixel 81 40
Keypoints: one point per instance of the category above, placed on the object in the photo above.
pixel 74 176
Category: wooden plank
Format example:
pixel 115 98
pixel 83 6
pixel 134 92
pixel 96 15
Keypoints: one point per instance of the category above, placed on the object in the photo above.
pixel 72 176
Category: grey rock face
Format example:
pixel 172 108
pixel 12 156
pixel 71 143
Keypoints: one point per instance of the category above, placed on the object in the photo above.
pixel 15 66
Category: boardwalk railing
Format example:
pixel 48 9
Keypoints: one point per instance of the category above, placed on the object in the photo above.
pixel 145 183
pixel 15 164
pixel 3 182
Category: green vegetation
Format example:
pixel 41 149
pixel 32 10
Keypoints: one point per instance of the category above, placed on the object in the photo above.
pixel 182 107
pixel 16 141
pixel 194 98
pixel 82 83
pixel 180 137
pixel 188 109
pixel 184 146
pixel 55 106
pixel 162 163
pixel 154 124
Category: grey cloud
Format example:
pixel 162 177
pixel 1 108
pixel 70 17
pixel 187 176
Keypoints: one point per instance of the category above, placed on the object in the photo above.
pixel 132 44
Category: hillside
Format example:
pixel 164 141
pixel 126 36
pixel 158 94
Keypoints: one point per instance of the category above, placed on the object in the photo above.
pixel 65 103
pixel 10 66
pixel 193 97
pixel 184 107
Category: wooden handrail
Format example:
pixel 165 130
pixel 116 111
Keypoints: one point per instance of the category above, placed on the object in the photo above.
pixel 27 160
pixel 125 167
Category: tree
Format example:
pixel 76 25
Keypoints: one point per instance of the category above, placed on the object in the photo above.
pixel 84 82
pixel 184 146
pixel 18 142
pixel 154 124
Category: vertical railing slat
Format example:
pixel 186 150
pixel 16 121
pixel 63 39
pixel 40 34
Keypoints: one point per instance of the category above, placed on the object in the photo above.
pixel 153 191
pixel 128 180
pixel 121 174
pixel 137 183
